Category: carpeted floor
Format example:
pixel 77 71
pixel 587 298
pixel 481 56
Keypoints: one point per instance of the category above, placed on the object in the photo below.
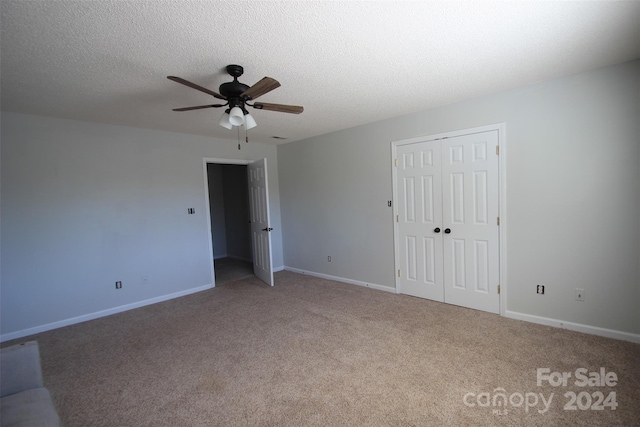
pixel 311 352
pixel 230 269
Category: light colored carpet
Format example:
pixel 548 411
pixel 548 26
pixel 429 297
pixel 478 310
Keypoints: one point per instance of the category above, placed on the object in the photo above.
pixel 231 269
pixel 311 352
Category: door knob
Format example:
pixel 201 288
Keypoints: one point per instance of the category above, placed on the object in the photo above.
pixel 267 229
pixel 436 230
pixel 447 230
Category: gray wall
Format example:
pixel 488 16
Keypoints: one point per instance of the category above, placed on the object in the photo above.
pixel 573 195
pixel 217 211
pixel 236 208
pixel 84 205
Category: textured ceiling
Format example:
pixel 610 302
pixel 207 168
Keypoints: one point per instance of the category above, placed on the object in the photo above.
pixel 347 63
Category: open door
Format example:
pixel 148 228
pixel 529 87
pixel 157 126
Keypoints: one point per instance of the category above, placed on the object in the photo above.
pixel 259 214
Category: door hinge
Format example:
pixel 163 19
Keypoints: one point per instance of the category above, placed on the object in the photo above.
pixel 399 273
pixel 397 218
pixel 498 221
pixel 497 150
pixel 498 289
pixel 396 162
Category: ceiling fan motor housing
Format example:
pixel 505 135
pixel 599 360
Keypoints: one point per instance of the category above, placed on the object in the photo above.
pixel 232 89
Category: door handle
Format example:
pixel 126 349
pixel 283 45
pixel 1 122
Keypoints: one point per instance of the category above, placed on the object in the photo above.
pixel 267 229
pixel 436 230
pixel 447 230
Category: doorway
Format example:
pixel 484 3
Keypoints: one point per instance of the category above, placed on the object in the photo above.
pixel 237 194
pixel 230 225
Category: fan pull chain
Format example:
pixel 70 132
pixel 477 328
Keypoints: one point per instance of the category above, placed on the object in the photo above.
pixel 239 146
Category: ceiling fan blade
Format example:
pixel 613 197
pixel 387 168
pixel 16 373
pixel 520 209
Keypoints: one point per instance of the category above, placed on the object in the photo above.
pixel 195 86
pixel 267 84
pixel 199 107
pixel 294 109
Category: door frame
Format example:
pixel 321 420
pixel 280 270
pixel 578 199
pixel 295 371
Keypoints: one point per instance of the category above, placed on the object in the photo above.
pixel 214 160
pixel 502 198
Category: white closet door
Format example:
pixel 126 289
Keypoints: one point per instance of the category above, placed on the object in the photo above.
pixel 470 212
pixel 419 202
pixel 447 231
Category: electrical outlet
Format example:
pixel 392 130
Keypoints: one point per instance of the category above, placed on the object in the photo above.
pixel 118 285
pixel 145 280
pixel 579 294
pixel 329 258
pixel 540 289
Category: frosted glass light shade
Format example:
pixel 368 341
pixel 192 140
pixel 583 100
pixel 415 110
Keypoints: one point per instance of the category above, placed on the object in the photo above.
pixel 224 121
pixel 249 122
pixel 236 116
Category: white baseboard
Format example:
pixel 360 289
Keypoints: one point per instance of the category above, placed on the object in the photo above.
pixel 342 279
pixel 578 327
pixel 593 330
pixel 276 269
pixel 220 256
pixel 98 314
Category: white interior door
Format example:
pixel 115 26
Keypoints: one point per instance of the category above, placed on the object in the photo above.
pixel 470 212
pixel 259 213
pixel 419 196
pixel 447 231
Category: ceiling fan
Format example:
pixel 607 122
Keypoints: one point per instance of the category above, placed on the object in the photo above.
pixel 237 96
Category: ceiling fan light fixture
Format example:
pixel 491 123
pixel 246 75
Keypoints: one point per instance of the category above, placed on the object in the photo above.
pixel 249 121
pixel 224 120
pixel 236 116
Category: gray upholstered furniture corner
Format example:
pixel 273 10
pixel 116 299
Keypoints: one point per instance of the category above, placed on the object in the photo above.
pixel 25 401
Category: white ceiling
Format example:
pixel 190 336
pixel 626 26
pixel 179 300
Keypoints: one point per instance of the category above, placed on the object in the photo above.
pixel 348 63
